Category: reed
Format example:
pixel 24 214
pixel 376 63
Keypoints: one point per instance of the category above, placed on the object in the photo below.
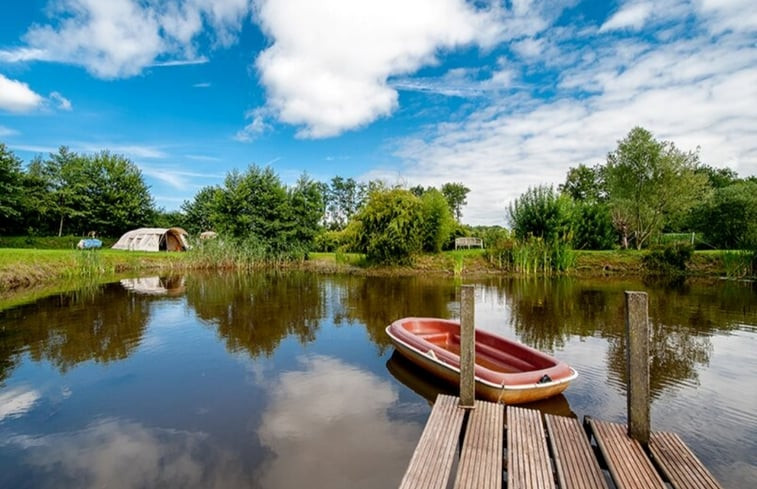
pixel 739 264
pixel 246 253
pixel 533 256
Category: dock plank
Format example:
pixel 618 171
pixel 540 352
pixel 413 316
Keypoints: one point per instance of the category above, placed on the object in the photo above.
pixel 431 463
pixel 481 457
pixel 528 465
pixel 628 464
pixel 682 468
pixel 575 463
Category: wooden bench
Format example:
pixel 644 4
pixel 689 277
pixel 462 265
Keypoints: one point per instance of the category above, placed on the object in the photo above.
pixel 681 467
pixel 469 243
pixel 432 461
pixel 575 463
pixel 528 465
pixel 481 458
pixel 625 458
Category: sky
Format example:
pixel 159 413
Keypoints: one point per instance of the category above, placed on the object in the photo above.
pixel 500 96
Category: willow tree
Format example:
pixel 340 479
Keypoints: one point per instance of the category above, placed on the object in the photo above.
pixel 648 183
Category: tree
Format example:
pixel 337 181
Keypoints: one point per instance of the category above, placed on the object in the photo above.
pixel 584 184
pixel 648 183
pixel 343 198
pixel 593 227
pixel 542 213
pixel 729 219
pixel 456 193
pixel 10 189
pixel 389 226
pixel 198 214
pixel 438 222
pixel 117 197
pixel 307 204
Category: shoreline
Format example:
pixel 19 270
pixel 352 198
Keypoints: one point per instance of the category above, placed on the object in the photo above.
pixel 29 272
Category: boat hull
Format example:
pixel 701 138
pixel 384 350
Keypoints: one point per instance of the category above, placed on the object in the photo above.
pixel 495 385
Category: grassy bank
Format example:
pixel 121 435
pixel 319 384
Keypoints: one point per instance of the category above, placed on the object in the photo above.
pixel 25 269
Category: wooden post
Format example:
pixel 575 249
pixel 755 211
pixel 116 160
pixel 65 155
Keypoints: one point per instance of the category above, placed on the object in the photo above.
pixel 467 346
pixel 637 334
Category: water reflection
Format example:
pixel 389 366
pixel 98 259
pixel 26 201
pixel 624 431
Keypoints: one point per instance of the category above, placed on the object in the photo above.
pixel 378 301
pixel 17 401
pixel 327 425
pixel 123 454
pixel 70 328
pixel 254 312
pixel 172 285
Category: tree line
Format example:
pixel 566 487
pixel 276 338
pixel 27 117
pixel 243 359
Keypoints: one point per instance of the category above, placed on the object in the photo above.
pixel 645 188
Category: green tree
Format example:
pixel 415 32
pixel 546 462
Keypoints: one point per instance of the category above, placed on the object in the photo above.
pixel 438 222
pixel 718 177
pixel 593 228
pixel 307 205
pixel 11 189
pixel 343 197
pixel 117 197
pixel 389 226
pixel 729 219
pixel 456 194
pixel 649 183
pixel 542 213
pixel 199 212
pixel 584 184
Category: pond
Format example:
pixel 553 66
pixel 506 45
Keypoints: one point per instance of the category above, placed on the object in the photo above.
pixel 288 380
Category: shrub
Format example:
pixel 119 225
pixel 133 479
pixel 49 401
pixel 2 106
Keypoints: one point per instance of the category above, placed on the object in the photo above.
pixel 668 259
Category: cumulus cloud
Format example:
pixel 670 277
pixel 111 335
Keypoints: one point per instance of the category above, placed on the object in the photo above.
pixel 61 102
pixel 258 125
pixel 119 38
pixel 366 447
pixel 16 96
pixel 327 68
pixel 696 91
pixel 630 16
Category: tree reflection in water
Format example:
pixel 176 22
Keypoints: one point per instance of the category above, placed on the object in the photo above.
pixel 102 324
pixel 255 312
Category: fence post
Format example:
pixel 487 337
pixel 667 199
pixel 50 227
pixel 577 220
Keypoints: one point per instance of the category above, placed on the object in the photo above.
pixel 637 359
pixel 467 347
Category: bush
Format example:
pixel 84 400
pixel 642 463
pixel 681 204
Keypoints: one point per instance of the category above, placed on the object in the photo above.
pixel 668 259
pixel 542 213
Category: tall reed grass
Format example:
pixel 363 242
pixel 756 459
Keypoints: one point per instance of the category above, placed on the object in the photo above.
pixel 740 264
pixel 247 253
pixel 533 256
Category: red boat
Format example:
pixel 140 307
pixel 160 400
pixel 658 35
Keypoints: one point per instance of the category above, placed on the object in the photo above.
pixel 506 371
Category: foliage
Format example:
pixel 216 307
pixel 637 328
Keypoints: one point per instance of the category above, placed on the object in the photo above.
pixel 531 256
pixel 438 222
pixel 492 236
pixel 648 183
pixel 718 177
pixel 456 193
pixel 11 189
pixel 343 197
pixel 584 184
pixel 198 213
pixel 389 226
pixel 593 228
pixel 740 264
pixel 729 219
pixel 668 259
pixel 541 212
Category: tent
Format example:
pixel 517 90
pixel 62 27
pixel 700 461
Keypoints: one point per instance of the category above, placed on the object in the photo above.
pixel 153 239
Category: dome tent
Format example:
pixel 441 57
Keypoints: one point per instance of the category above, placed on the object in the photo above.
pixel 153 239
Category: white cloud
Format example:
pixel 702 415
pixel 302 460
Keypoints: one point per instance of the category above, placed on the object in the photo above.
pixel 724 15
pixel 630 16
pixel 258 126
pixel 328 66
pixel 16 96
pixel 201 85
pixel 119 38
pixel 17 401
pixel 694 92
pixel 7 131
pixel 62 102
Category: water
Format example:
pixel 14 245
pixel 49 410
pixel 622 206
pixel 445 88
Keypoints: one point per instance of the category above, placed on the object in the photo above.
pixel 288 380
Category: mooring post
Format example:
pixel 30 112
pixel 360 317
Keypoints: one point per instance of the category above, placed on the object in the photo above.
pixel 467 346
pixel 637 360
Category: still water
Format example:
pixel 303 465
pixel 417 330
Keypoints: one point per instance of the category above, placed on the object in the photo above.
pixel 288 380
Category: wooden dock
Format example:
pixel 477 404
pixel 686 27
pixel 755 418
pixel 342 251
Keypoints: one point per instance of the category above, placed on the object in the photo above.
pixel 516 448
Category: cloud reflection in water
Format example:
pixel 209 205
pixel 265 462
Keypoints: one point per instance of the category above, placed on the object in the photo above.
pixel 328 426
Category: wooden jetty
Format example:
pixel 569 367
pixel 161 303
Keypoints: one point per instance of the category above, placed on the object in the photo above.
pixel 494 447
pixel 518 448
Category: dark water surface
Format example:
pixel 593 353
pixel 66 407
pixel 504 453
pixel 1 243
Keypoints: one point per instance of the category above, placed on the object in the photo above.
pixel 283 381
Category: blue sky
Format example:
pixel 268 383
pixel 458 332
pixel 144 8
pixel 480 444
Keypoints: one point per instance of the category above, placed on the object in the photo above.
pixel 497 95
